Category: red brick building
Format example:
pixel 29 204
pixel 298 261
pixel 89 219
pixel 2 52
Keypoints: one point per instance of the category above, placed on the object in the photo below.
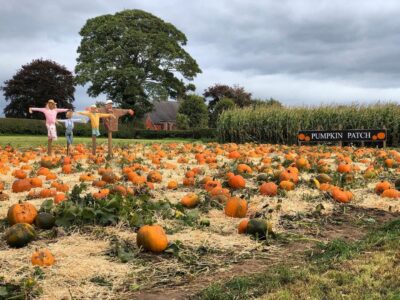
pixel 163 117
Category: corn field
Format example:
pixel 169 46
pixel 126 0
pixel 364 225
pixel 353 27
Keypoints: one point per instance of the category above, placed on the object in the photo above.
pixel 280 125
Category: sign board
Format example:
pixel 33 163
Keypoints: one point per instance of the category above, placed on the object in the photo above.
pixel 353 135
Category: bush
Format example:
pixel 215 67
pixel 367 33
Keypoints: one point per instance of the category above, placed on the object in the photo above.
pixel 10 126
pixel 280 125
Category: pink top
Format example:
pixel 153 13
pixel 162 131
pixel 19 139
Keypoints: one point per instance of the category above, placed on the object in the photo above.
pixel 50 114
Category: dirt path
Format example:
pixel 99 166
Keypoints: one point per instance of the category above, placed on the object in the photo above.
pixel 348 223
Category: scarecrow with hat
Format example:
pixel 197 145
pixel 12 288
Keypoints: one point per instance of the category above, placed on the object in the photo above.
pixel 111 124
pixel 50 112
pixel 95 116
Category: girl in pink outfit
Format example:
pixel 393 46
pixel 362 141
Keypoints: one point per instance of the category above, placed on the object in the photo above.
pixel 50 112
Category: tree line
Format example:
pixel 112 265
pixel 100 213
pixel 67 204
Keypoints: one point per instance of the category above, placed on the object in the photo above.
pixel 135 59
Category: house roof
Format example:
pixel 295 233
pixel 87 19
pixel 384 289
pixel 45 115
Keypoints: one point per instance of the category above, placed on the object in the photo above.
pixel 164 111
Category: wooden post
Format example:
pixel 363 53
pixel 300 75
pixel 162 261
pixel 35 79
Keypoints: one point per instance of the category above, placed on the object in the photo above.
pixel 93 144
pixel 340 128
pixel 110 153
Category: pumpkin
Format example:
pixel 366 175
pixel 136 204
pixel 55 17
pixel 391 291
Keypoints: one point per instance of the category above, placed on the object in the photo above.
pixel 46 193
pixel 302 163
pixel 188 181
pixel 109 177
pixel 389 163
pixel 344 168
pixel 152 238
pixel 59 197
pixel 211 184
pixel 382 186
pixel 324 178
pixel 45 220
pixel 236 207
pixel 36 182
pixel 119 189
pixel 269 189
pixel 21 185
pixel 289 175
pixel 243 168
pixel 43 171
pixel 243 226
pixel 340 195
pixel 42 258
pixel 259 228
pixel 190 200
pixel 19 235
pixel 154 176
pixel 286 185
pixel 172 185
pixel 237 182
pixel 51 176
pixel 67 169
pixel 23 212
pixel 20 174
pixel 390 193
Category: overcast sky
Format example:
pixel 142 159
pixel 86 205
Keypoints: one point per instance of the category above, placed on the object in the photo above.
pixel 300 52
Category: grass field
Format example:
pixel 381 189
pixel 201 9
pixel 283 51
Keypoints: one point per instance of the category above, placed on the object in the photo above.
pixel 35 141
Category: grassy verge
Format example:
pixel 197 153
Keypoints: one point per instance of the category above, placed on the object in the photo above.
pixel 35 141
pixel 365 269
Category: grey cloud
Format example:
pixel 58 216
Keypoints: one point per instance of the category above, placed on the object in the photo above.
pixel 349 49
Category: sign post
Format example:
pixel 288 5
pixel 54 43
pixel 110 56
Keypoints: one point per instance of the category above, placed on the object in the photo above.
pixel 340 136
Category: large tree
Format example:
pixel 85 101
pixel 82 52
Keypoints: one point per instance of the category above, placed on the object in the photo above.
pixel 219 91
pixel 34 84
pixel 134 57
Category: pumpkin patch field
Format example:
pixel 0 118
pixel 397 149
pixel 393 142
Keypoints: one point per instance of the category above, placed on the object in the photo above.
pixel 172 220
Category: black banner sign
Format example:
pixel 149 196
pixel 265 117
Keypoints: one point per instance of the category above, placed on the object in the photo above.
pixel 354 135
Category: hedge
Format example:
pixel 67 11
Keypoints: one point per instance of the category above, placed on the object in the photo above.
pixel 11 126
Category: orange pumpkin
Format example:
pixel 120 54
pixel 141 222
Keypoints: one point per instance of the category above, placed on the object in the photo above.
pixel 67 169
pixel 236 207
pixel 380 187
pixel 286 185
pixel 340 195
pixel 344 168
pixel 21 185
pixel 36 182
pixel 152 238
pixel 269 189
pixel 237 182
pixel 23 212
pixel 154 176
pixel 390 193
pixel 190 200
pixel 59 197
pixel 20 174
pixel 42 258
pixel 172 185
pixel 243 226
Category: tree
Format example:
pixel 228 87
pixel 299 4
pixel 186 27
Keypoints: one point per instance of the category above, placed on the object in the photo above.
pixel 182 122
pixel 215 93
pixel 223 104
pixel 134 57
pixel 266 102
pixel 195 109
pixel 34 84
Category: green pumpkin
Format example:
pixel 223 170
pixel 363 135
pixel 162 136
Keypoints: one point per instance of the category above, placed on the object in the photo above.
pixel 397 184
pixel 45 220
pixel 20 235
pixel 324 178
pixel 258 228
pixel 263 177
